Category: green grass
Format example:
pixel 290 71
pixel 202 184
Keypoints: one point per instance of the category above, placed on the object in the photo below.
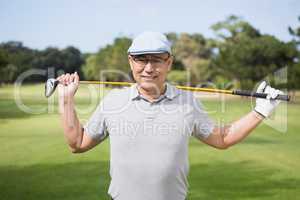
pixel 35 162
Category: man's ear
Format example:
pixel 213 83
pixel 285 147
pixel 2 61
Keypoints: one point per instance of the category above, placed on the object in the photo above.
pixel 170 62
pixel 130 62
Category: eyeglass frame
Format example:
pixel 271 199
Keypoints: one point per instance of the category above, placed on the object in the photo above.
pixel 163 60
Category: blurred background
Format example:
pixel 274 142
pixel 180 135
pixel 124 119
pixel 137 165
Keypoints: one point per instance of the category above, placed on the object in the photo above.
pixel 221 44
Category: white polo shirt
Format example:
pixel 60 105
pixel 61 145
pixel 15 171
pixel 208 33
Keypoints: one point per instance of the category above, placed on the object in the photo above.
pixel 149 141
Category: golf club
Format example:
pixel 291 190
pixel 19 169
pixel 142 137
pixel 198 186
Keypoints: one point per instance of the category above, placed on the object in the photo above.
pixel 52 83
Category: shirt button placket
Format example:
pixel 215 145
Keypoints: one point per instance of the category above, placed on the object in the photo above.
pixel 152 114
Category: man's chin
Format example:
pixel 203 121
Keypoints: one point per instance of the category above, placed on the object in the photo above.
pixel 148 85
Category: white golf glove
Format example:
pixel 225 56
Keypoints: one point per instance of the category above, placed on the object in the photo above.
pixel 266 106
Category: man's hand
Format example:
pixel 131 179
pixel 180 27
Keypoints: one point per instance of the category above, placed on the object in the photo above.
pixel 266 106
pixel 68 85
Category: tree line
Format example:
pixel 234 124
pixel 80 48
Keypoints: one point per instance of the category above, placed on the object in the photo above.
pixel 239 56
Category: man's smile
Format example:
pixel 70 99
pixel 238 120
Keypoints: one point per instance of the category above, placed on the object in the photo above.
pixel 148 77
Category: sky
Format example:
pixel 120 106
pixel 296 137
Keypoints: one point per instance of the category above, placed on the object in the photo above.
pixel 92 24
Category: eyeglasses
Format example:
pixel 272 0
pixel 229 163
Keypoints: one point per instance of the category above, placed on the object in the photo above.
pixel 154 60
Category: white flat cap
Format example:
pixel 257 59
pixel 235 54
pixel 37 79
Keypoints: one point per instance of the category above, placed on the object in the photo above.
pixel 150 43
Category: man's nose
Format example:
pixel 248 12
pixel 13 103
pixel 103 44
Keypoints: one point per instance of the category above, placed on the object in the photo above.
pixel 149 67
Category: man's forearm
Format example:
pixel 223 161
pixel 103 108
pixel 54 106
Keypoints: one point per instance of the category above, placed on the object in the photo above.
pixel 71 125
pixel 238 130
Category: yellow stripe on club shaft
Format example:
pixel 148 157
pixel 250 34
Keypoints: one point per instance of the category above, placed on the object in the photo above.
pixel 106 83
pixel 195 89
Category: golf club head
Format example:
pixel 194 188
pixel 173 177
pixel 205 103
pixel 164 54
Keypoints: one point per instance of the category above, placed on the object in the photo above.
pixel 50 86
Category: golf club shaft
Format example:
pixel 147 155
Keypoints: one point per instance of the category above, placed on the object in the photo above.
pixel 196 89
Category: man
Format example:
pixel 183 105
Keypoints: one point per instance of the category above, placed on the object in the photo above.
pixel 149 125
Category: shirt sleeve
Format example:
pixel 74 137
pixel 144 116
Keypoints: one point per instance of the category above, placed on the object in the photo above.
pixel 203 125
pixel 95 127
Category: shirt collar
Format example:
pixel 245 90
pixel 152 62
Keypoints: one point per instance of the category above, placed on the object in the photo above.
pixel 170 93
pixel 134 93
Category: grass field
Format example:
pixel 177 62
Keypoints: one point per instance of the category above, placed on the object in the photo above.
pixel 35 162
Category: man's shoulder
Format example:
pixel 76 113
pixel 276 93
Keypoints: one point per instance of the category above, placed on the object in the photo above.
pixel 119 92
pixel 186 97
pixel 183 94
pixel 117 96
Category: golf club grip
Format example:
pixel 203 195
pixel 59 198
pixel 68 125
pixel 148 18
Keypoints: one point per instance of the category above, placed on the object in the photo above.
pixel 282 97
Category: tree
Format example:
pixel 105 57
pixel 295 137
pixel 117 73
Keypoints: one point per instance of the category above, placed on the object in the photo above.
pixel 180 77
pixel 110 62
pixel 90 69
pixel 3 64
pixel 244 54
pixel 295 32
pixel 18 58
pixel 234 28
pixel 67 60
pixel 192 53
pixel 189 48
pixel 294 70
pixel 3 58
pixel 73 60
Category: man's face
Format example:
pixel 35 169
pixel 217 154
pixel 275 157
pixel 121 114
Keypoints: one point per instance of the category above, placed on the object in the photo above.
pixel 150 70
